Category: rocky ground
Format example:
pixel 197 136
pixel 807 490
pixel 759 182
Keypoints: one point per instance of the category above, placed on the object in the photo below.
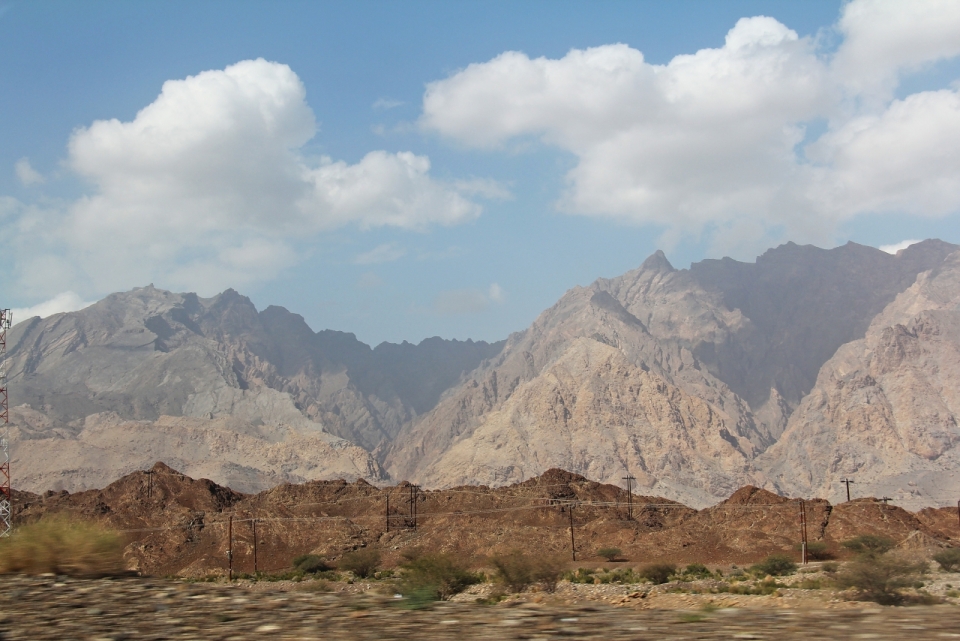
pixel 51 607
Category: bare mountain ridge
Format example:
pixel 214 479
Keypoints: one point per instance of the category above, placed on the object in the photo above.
pixel 678 365
pixel 689 380
pixel 136 360
pixel 886 407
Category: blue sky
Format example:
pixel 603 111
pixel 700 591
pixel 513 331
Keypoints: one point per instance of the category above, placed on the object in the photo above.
pixel 405 170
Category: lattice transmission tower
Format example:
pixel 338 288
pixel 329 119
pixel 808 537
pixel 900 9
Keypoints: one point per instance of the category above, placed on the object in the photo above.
pixel 6 494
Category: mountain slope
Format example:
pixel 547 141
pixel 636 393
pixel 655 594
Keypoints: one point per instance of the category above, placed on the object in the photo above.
pixel 885 408
pixel 678 377
pixel 139 357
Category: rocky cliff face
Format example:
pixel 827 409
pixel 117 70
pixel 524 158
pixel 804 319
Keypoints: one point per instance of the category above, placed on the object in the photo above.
pixel 785 373
pixel 229 392
pixel 885 407
pixel 682 378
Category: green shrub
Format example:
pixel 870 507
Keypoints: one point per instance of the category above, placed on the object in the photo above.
pixel 880 579
pixel 816 551
pixel 517 570
pixel 830 567
pixel 610 554
pixel 774 565
pixel 62 546
pixel 310 564
pixel 869 545
pixel 948 559
pixel 658 572
pixel 696 571
pixel 581 575
pixel 437 576
pixel 363 562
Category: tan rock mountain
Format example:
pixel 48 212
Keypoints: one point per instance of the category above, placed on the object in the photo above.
pixel 885 408
pixel 680 378
pixel 783 373
pixel 244 397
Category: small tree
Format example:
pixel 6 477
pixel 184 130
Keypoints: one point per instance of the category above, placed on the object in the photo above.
pixel 869 545
pixel 816 551
pixel 774 565
pixel 610 554
pixel 880 578
pixel 439 576
pixel 658 573
pixel 363 562
pixel 517 570
pixel 948 559
pixel 697 571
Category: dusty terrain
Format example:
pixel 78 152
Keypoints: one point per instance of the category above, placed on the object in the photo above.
pixel 133 608
pixel 178 525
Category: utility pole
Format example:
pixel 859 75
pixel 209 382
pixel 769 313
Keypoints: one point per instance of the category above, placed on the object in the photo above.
pixel 803 532
pixel 6 492
pixel 414 494
pixel 388 512
pixel 629 480
pixel 255 566
pixel 149 474
pixel 958 511
pixel 573 543
pixel 848 482
pixel 885 499
pixel 230 549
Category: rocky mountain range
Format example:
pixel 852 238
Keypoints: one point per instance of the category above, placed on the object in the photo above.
pixel 788 373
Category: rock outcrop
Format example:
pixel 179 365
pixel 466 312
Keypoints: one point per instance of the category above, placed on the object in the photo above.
pixel 245 397
pixel 681 378
pixel 786 373
pixel 885 408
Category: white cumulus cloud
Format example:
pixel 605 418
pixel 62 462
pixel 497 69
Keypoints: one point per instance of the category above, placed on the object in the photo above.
pixel 385 253
pixel 207 186
pixel 63 302
pixel 894 248
pixel 467 301
pixel 26 174
pixel 718 141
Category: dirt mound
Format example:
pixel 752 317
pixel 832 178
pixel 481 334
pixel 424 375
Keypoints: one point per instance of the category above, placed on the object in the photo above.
pixel 179 525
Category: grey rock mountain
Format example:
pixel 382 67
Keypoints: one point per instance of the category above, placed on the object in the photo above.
pixel 682 378
pixel 885 408
pixel 783 373
pixel 135 361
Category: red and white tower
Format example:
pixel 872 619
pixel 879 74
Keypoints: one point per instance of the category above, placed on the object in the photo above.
pixel 6 494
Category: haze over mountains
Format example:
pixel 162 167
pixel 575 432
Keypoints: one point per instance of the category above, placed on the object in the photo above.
pixel 787 373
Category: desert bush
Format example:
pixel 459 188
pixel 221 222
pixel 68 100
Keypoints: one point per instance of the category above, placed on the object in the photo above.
pixel 363 562
pixel 62 546
pixel 412 553
pixel 880 579
pixel 548 571
pixel 774 565
pixel 517 570
pixel 816 551
pixel 948 559
pixel 436 576
pixel 610 554
pixel 311 564
pixel 869 545
pixel 581 575
pixel 696 571
pixel 658 572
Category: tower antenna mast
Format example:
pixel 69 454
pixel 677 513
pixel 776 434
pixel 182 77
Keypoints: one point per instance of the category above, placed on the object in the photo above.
pixel 6 494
